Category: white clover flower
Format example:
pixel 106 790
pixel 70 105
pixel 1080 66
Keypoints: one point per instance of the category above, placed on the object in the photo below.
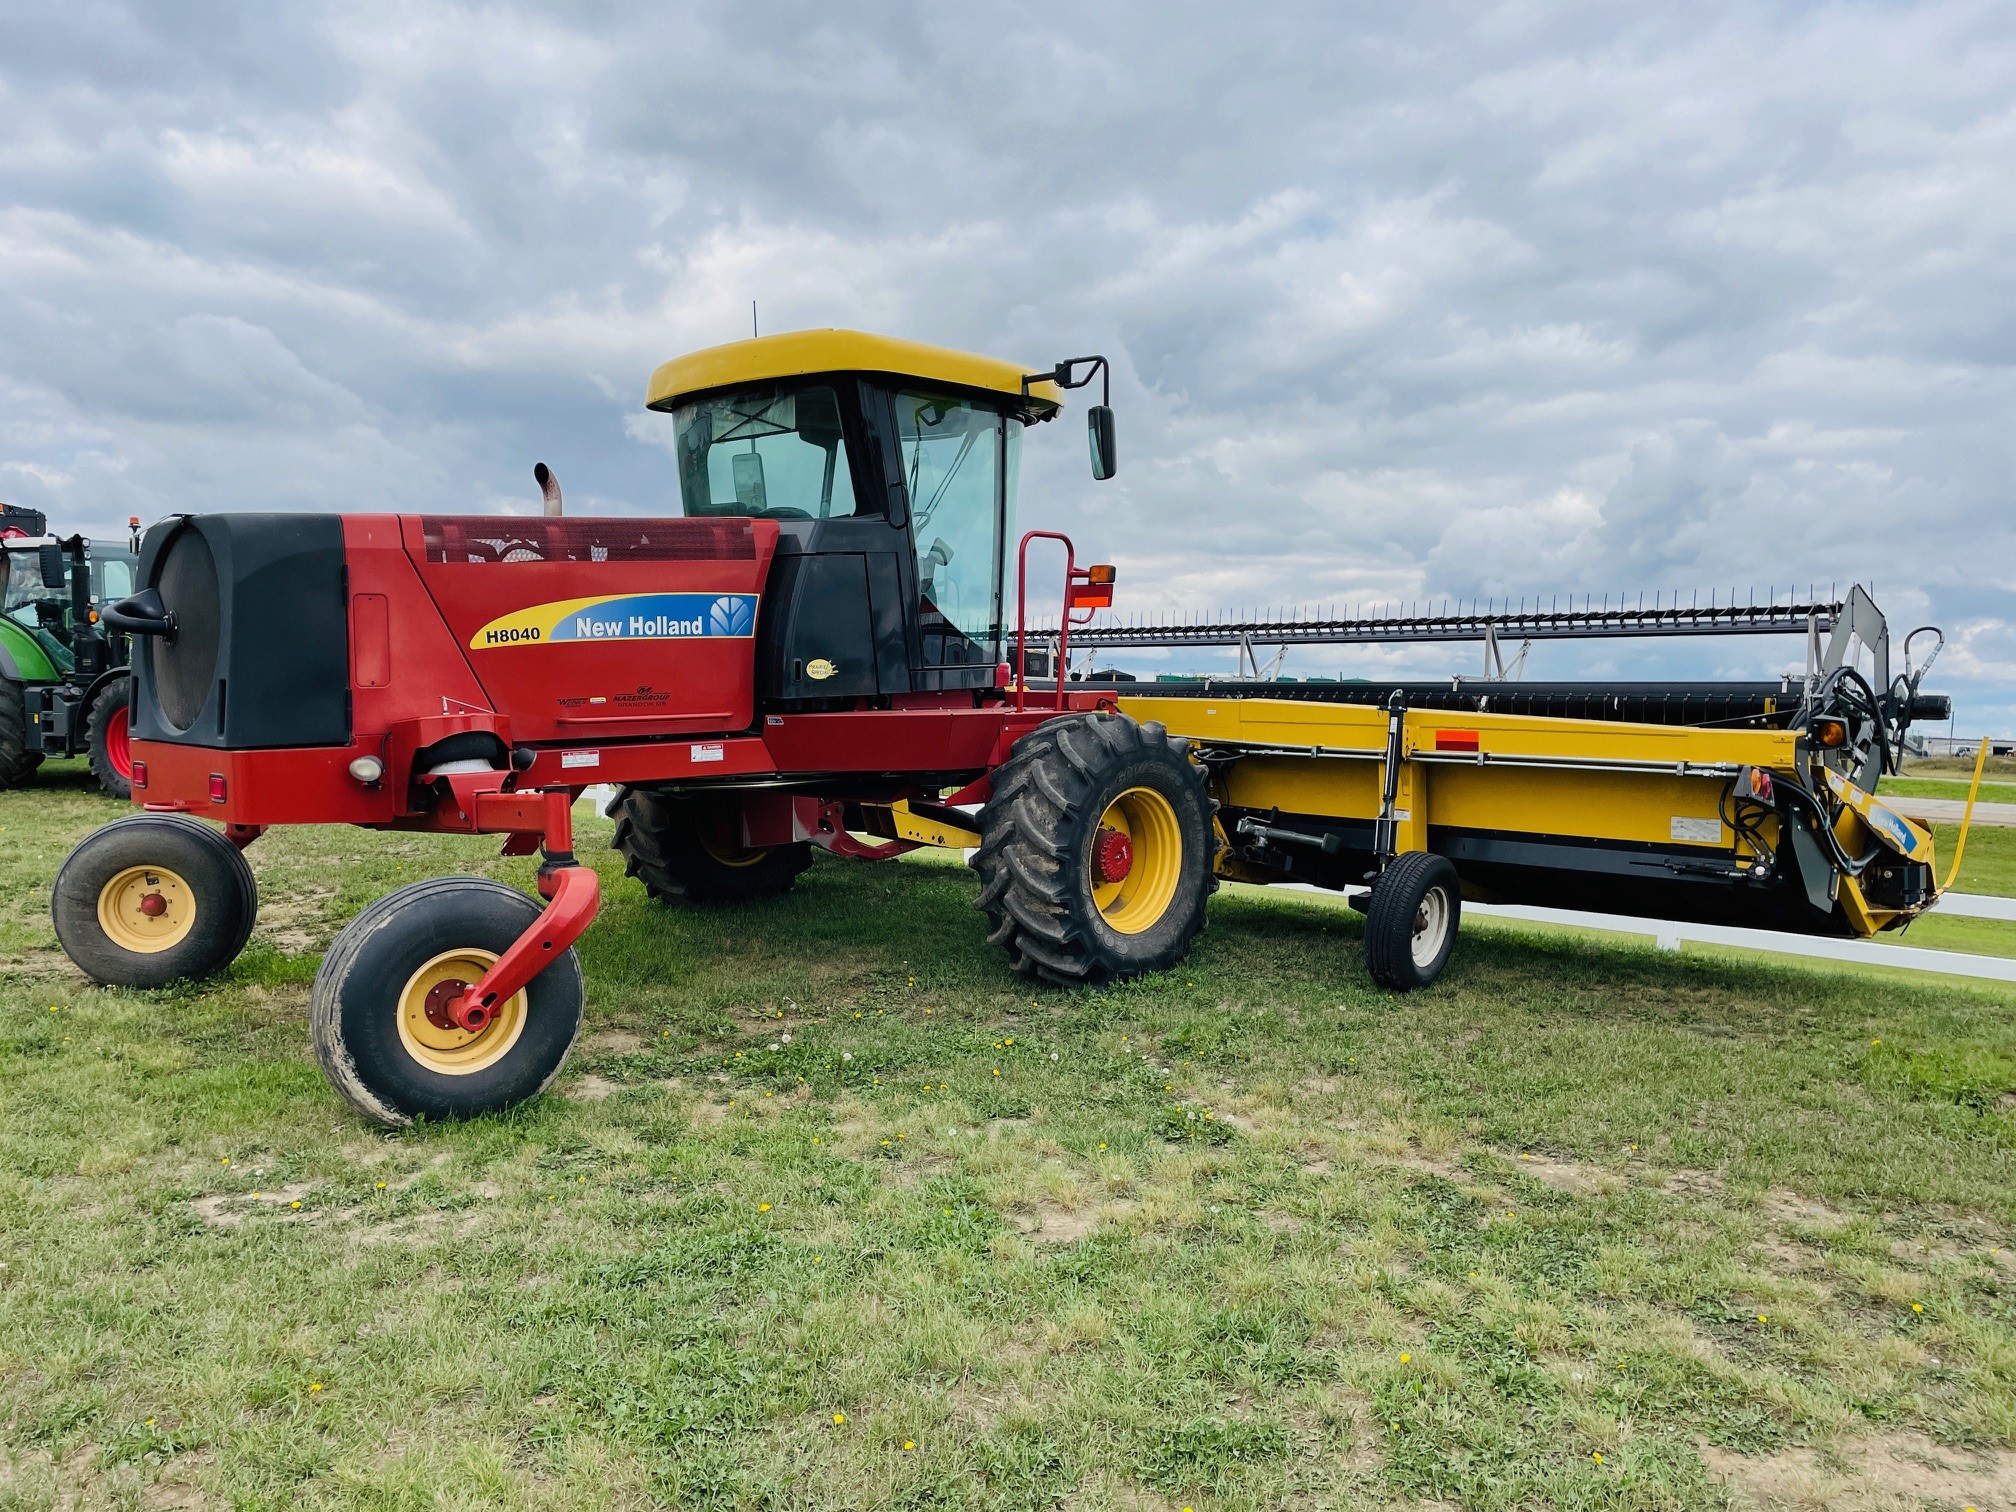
pixel 846 1055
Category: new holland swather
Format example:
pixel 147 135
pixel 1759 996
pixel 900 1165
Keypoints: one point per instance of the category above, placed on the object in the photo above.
pixel 829 648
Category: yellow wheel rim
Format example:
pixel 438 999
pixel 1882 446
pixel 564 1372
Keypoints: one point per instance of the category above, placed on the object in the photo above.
pixel 439 1044
pixel 733 855
pixel 1138 900
pixel 146 909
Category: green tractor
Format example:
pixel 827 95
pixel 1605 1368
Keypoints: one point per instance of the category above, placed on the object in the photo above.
pixel 64 689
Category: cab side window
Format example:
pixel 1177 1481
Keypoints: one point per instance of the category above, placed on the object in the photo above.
pixel 767 453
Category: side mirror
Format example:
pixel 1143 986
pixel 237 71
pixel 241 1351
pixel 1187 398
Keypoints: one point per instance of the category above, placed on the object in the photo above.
pixel 52 566
pixel 1099 430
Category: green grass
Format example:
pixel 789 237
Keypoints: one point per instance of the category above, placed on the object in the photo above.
pixel 1941 787
pixel 1989 864
pixel 1249 1235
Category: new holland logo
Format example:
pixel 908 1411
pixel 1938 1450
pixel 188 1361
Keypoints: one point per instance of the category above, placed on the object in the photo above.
pixel 623 616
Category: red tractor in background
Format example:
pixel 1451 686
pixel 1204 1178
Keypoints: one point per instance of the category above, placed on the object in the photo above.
pixel 815 653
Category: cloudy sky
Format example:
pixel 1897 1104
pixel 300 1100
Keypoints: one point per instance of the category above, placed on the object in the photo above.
pixel 1415 300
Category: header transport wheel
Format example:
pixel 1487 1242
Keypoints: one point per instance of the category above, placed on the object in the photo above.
pixel 1095 851
pixel 678 847
pixel 379 1010
pixel 154 899
pixel 1410 924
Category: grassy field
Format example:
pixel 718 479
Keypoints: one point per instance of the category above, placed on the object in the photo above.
pixel 1948 787
pixel 830 1212
pixel 1998 768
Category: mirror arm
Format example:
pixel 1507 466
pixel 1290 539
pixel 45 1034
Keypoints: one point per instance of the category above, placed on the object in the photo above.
pixel 1061 376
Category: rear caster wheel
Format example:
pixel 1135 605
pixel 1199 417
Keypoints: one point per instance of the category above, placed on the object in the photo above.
pixel 110 731
pixel 154 899
pixel 1410 924
pixel 379 1006
pixel 1095 851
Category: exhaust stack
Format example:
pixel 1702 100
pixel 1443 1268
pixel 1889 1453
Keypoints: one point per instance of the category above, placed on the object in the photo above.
pixel 549 488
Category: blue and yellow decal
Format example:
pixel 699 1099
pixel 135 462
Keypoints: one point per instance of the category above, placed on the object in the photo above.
pixel 1909 840
pixel 623 616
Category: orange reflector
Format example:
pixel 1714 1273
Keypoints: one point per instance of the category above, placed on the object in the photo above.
pixel 1092 596
pixel 1831 733
pixel 1455 740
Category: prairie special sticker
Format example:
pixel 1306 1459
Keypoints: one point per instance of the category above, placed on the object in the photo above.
pixel 623 616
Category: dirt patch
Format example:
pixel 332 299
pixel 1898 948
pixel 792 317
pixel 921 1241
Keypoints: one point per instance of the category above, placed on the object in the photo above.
pixel 1685 1183
pixel 293 923
pixel 226 1210
pixel 1566 1176
pixel 1282 1223
pixel 40 963
pixel 613 1042
pixel 1448 1167
pixel 1050 1224
pixel 1783 1205
pixel 416 1228
pixel 1874 1472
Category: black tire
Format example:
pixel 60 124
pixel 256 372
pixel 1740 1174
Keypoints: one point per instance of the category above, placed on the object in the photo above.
pixel 354 1008
pixel 199 869
pixel 17 762
pixel 114 700
pixel 666 844
pixel 1410 925
pixel 1036 860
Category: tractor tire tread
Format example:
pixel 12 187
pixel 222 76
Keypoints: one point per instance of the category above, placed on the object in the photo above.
pixel 658 838
pixel 17 762
pixel 1036 831
pixel 116 694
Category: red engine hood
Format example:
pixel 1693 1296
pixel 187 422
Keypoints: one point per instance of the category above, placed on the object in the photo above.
pixel 602 629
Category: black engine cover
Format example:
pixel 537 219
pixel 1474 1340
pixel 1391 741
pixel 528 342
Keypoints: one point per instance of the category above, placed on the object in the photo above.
pixel 260 656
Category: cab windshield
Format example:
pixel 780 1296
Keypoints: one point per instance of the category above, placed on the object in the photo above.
pixel 768 453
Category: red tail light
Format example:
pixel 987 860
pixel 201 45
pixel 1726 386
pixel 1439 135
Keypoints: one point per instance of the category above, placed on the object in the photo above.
pixel 139 774
pixel 217 793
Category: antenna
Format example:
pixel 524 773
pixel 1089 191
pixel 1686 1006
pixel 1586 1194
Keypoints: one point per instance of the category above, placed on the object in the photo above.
pixel 752 319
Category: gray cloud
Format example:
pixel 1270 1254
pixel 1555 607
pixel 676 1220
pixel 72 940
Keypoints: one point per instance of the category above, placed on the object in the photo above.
pixel 1403 300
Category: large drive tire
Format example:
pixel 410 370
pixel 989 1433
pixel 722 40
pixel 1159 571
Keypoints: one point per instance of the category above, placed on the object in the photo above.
pixel 673 845
pixel 17 762
pixel 1410 926
pixel 111 739
pixel 394 1060
pixel 1095 851
pixel 154 899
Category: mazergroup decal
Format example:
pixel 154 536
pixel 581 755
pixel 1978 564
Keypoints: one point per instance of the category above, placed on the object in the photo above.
pixel 623 616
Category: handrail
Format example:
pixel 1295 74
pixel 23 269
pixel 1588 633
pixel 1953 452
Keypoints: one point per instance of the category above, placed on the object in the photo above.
pixel 1072 575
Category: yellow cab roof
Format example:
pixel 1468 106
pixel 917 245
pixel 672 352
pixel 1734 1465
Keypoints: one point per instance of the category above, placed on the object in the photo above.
pixel 796 354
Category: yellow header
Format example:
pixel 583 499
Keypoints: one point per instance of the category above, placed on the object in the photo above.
pixel 795 354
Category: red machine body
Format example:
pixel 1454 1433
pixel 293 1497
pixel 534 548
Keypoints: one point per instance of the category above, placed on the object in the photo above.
pixel 523 631
pixel 499 668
